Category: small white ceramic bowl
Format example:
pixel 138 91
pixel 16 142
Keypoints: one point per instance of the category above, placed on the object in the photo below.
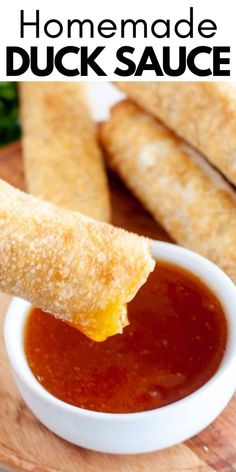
pixel 133 432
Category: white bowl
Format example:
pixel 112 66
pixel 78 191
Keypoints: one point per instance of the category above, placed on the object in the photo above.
pixel 133 432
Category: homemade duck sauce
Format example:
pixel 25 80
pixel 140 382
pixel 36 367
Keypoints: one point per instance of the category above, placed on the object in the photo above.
pixel 173 345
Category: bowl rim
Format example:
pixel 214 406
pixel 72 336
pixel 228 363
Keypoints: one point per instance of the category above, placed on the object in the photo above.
pixel 212 276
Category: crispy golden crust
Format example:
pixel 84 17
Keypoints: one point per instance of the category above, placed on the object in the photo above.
pixel 63 163
pixel 191 200
pixel 81 270
pixel 203 113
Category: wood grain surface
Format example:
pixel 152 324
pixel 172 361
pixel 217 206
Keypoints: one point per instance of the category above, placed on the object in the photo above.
pixel 26 445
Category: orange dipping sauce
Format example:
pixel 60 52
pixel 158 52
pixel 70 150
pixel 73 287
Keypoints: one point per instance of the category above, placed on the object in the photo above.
pixel 173 345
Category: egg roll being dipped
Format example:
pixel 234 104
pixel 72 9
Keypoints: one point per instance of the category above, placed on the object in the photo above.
pixel 203 113
pixel 81 270
pixel 183 193
pixel 62 160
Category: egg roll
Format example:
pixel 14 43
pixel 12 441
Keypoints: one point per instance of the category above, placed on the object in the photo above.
pixel 203 113
pixel 62 160
pixel 79 269
pixel 184 194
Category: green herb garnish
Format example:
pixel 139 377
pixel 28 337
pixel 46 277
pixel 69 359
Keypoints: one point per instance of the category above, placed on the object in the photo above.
pixel 9 113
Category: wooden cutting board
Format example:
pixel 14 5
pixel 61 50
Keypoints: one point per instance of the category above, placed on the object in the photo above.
pixel 26 445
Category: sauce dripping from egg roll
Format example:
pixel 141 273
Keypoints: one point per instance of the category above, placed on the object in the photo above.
pixel 173 345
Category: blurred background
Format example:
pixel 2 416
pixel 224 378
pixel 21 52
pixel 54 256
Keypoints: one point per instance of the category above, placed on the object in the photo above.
pixel 9 113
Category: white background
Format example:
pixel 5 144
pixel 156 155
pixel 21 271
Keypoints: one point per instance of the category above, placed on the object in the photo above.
pixel 223 13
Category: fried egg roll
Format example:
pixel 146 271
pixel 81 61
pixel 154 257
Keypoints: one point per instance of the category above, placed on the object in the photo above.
pixel 190 199
pixel 203 113
pixel 81 270
pixel 62 160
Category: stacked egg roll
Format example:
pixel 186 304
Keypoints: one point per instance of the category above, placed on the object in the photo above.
pixel 62 160
pixel 203 113
pixel 183 193
pixel 81 270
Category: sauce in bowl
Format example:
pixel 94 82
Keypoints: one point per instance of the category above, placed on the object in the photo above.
pixel 174 344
